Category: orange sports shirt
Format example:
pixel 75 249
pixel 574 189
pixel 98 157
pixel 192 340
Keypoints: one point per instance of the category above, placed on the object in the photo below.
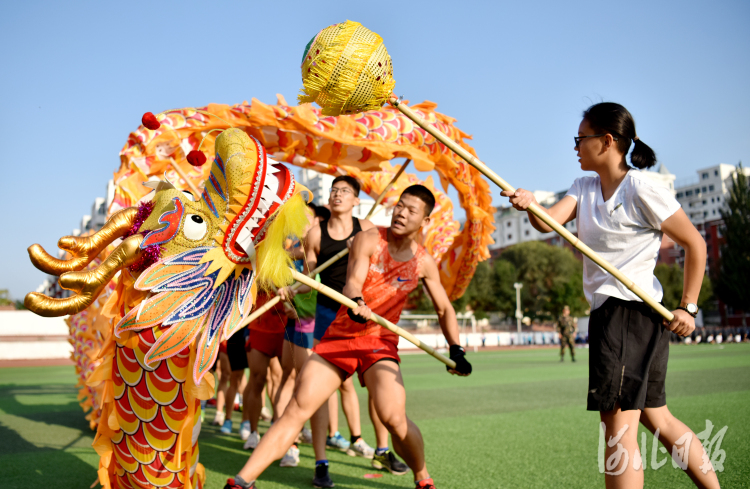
pixel 385 289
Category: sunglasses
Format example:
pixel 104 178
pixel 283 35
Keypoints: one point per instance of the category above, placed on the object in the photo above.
pixel 577 139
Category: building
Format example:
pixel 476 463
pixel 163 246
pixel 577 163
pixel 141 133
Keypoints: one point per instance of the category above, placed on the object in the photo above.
pixel 702 197
pixel 319 185
pixel 512 226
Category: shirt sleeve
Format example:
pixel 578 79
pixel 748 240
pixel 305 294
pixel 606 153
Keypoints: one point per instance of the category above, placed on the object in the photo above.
pixel 575 189
pixel 655 204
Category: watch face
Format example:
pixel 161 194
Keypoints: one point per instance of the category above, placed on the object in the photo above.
pixel 692 308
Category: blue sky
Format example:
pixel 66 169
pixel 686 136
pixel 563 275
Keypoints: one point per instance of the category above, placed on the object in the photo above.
pixel 77 76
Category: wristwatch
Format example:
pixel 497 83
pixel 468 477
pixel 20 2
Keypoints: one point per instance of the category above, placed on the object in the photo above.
pixel 688 307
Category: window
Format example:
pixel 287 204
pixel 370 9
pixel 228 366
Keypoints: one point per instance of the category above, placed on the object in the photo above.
pixel 713 212
pixel 510 236
pixel 697 190
pixel 526 233
pixel 680 195
pixel 718 199
pixel 525 220
pixel 712 200
pixel 704 175
pixel 690 204
pixel 703 189
pixel 704 202
pixel 705 213
pixel 711 188
pixel 688 193
pixel 508 224
pixel 716 173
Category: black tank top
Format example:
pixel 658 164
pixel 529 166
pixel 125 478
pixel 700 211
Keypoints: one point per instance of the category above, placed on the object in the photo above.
pixel 335 275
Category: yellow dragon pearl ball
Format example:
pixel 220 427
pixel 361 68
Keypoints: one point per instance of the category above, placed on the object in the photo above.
pixel 346 69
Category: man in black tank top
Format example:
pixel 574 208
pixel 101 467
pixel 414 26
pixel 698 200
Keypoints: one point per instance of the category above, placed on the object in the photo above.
pixel 335 275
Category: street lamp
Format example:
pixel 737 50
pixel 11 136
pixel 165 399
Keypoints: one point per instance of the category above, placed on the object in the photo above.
pixel 519 314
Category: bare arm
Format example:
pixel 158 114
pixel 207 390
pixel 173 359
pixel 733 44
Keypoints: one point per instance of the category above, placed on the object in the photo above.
pixel 312 247
pixel 681 230
pixel 443 307
pixel 563 211
pixel 362 248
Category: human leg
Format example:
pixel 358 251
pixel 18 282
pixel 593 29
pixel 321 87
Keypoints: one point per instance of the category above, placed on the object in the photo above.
pixel 386 388
pixel 224 371
pixel 258 362
pixel 674 434
pixel 318 379
pixel 621 438
pixel 288 376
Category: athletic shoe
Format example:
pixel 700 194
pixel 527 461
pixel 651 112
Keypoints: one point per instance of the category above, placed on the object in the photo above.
pixel 252 441
pixel 322 479
pixel 244 430
pixel 226 428
pixel 291 459
pixel 231 485
pixel 388 461
pixel 337 441
pixel 361 448
pixel 219 418
pixel 306 436
pixel 426 484
pixel 265 414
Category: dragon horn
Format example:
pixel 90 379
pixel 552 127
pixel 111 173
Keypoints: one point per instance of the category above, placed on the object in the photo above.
pixel 87 285
pixel 86 248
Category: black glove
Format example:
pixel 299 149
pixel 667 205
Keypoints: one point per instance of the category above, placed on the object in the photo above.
pixel 458 355
pixel 356 317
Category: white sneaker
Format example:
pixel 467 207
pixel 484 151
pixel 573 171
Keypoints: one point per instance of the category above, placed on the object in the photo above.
pixel 219 418
pixel 306 436
pixel 291 459
pixel 244 430
pixel 252 441
pixel 265 414
pixel 361 448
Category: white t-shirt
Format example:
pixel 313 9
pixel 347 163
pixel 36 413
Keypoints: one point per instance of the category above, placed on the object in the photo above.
pixel 625 231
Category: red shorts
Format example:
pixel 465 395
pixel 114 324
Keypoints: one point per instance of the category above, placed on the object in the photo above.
pixel 356 354
pixel 270 344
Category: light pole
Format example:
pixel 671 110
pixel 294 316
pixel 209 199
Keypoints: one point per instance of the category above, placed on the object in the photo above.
pixel 519 314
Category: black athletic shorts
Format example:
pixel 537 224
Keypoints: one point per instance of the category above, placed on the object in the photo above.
pixel 628 353
pixel 236 350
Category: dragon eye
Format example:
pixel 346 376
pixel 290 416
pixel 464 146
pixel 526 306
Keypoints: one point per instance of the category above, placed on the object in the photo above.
pixel 195 227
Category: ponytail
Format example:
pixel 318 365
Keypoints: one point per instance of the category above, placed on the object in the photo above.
pixel 642 156
pixel 612 118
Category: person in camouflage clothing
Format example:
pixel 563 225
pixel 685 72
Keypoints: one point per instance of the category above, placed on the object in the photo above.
pixel 567 329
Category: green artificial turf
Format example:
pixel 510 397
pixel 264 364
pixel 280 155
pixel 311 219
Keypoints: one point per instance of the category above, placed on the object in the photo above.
pixel 518 421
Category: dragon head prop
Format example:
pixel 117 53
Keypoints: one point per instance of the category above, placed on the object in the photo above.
pixel 199 258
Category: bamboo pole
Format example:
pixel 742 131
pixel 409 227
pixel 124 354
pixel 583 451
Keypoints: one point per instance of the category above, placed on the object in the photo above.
pixel 387 188
pixel 184 176
pixel 268 305
pixel 533 208
pixel 322 289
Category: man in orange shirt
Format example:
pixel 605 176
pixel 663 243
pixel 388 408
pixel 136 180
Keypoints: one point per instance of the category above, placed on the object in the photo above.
pixel 384 267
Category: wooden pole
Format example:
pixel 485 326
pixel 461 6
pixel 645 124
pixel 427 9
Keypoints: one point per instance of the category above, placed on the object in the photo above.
pixel 533 208
pixel 387 188
pixel 183 175
pixel 322 289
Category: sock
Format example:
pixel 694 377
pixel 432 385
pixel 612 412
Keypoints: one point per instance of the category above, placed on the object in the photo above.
pixel 381 451
pixel 321 462
pixel 354 439
pixel 241 482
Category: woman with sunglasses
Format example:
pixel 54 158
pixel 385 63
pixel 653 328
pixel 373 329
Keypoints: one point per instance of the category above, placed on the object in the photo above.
pixel 621 215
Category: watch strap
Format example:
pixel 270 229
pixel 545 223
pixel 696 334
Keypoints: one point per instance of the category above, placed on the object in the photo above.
pixel 685 309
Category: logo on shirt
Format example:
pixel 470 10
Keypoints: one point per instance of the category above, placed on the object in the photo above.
pixel 402 280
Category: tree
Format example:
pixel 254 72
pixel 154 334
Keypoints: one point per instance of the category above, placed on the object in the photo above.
pixel 671 278
pixel 733 282
pixel 552 277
